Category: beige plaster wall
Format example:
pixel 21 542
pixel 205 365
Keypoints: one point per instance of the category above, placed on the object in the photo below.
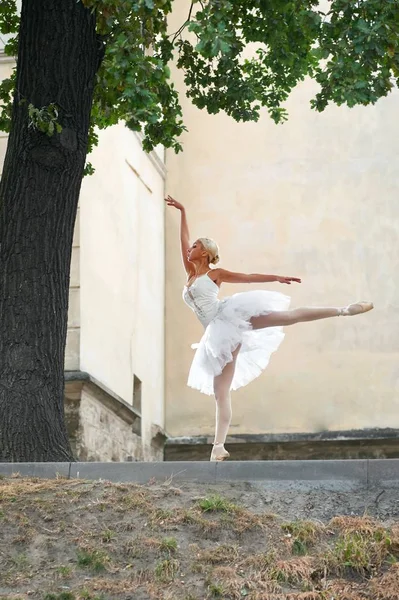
pixel 122 272
pixel 314 198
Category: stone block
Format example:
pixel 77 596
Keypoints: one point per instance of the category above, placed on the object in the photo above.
pixel 45 470
pixel 383 472
pixel 6 469
pixel 294 470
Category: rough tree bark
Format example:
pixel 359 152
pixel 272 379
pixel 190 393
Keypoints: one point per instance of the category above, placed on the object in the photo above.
pixel 58 58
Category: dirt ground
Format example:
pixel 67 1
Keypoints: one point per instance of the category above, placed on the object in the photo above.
pixel 78 540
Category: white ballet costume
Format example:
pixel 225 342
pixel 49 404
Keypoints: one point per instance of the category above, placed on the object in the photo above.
pixel 227 324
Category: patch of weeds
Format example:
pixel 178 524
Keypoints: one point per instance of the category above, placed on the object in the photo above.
pixel 165 571
pixel 216 503
pixel 218 555
pixel 226 581
pixel 299 548
pixel 305 531
pixel 259 562
pixel 107 536
pixel 133 549
pixel 198 567
pixel 62 526
pixel 94 560
pixel 7 495
pixel 64 571
pixel 161 517
pixel 303 534
pixel 241 520
pixel 216 590
pixel 359 552
pixel 19 561
pixel 138 499
pixel 168 545
pixel 192 517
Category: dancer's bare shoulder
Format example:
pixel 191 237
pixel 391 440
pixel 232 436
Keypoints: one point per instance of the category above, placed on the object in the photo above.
pixel 220 276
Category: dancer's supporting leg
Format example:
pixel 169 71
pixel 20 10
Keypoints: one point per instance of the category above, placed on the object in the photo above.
pixel 221 386
pixel 302 315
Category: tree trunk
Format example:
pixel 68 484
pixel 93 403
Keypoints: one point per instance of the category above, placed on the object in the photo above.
pixel 58 58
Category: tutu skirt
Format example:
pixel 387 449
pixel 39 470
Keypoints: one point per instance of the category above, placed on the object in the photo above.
pixel 231 327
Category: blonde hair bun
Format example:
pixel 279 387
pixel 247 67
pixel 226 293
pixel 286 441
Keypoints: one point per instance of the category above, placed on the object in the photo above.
pixel 212 248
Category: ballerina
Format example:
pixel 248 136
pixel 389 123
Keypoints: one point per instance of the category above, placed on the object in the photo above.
pixel 241 331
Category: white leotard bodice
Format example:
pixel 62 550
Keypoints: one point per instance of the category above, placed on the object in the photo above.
pixel 202 297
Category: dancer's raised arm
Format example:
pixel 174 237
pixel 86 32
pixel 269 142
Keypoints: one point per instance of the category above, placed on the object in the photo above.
pixel 184 233
pixel 222 275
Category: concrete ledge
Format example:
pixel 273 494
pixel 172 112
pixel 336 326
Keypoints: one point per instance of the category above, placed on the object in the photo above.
pixel 360 473
pixel 383 473
pixel 142 472
pixel 293 470
pixel 6 469
pixel 45 470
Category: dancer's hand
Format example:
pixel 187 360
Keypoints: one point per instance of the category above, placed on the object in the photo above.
pixel 288 280
pixel 172 202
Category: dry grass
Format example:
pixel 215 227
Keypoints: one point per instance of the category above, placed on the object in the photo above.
pixel 294 571
pixel 218 554
pixel 349 524
pixel 109 541
pixel 346 590
pixel 386 587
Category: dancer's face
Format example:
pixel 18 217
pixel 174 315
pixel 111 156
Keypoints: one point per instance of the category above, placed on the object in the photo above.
pixel 197 252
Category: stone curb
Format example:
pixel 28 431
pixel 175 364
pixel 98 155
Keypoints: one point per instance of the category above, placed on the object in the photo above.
pixel 363 473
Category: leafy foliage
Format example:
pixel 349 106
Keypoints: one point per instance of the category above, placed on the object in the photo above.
pixel 9 20
pixel 238 56
pixel 44 119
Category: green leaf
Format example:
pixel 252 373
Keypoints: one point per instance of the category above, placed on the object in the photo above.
pixel 242 58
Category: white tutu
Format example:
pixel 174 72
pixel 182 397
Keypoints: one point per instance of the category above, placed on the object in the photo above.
pixel 231 327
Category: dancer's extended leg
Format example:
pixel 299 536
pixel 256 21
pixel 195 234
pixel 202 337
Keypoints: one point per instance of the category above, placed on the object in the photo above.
pixel 302 315
pixel 221 386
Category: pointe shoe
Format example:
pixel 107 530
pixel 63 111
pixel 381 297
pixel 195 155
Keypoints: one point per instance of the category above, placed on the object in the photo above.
pixel 219 453
pixel 356 309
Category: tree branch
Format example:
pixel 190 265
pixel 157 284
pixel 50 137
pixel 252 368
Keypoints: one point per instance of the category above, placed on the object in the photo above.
pixel 187 21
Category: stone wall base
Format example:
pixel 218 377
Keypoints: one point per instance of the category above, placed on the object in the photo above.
pixel 328 445
pixel 103 428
